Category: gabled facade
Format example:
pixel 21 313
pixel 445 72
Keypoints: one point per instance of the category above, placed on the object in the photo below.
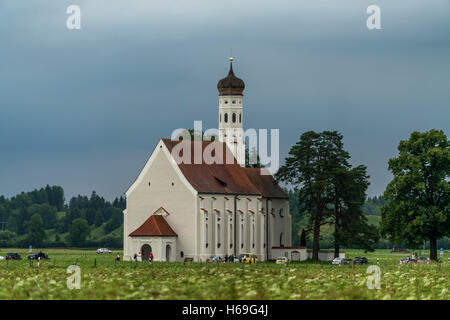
pixel 181 208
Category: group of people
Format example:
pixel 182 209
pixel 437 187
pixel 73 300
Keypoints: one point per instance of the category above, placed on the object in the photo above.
pixel 138 257
pixel 413 259
pixel 229 258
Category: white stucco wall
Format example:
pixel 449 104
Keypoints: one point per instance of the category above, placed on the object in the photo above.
pixel 167 189
pixel 288 252
pixel 326 255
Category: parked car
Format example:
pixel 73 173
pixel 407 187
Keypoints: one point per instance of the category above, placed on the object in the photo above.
pixel 248 258
pixel 405 260
pixel 2 258
pixel 36 256
pixel 423 260
pixel 360 260
pixel 103 250
pixel 282 260
pixel 339 261
pixel 215 259
pixel 13 256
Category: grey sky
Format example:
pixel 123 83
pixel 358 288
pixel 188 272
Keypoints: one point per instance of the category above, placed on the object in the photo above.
pixel 83 109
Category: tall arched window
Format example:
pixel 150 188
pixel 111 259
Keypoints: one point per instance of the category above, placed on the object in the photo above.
pixel 281 240
pixel 233 117
pixel 206 235
pixel 231 234
pixel 226 117
pixel 218 235
pixel 240 118
pixel 242 236
pixel 253 234
pixel 220 117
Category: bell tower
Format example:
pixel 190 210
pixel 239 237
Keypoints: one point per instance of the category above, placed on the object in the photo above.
pixel 231 115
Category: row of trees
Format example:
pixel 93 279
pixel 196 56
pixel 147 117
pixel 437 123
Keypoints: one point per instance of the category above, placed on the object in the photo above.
pixel 41 217
pixel 329 191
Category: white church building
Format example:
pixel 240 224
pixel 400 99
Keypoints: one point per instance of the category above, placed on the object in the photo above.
pixel 185 209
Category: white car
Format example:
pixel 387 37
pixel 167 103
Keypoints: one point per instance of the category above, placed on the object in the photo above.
pixel 282 260
pixel 339 261
pixel 103 250
pixel 2 258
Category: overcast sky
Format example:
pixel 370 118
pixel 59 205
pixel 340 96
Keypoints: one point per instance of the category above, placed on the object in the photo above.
pixel 84 108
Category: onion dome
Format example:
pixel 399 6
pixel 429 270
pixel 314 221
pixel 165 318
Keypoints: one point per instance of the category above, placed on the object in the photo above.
pixel 231 85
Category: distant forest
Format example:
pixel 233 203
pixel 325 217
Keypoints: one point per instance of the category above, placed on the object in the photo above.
pixel 42 218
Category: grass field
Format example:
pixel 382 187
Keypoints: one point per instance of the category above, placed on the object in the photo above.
pixel 302 280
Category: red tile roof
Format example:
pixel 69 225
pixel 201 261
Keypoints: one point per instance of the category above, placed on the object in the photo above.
pixel 156 225
pixel 214 178
pixel 266 184
pixel 224 178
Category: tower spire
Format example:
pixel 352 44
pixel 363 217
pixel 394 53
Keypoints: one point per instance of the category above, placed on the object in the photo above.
pixel 231 113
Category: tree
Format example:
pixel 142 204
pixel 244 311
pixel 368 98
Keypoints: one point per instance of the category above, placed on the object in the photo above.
pixel 78 232
pixel 309 167
pixel 7 238
pixel 115 221
pixel 47 213
pixel 303 238
pixel 350 224
pixel 36 234
pixel 98 218
pixel 418 196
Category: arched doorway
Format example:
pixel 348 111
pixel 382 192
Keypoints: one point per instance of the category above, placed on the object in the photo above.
pixel 168 252
pixel 145 250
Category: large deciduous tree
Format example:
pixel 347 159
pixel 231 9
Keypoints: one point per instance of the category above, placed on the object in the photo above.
pixel 418 196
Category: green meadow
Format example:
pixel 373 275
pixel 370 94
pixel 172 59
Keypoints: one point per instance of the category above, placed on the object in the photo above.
pixel 102 278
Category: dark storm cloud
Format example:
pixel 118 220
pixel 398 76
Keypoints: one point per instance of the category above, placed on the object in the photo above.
pixel 83 109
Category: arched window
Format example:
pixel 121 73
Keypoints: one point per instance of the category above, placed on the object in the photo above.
pixel 231 234
pixel 206 235
pixel 253 234
pixel 226 117
pixel 240 118
pixel 281 240
pixel 234 117
pixel 281 213
pixel 242 235
pixel 220 117
pixel 218 235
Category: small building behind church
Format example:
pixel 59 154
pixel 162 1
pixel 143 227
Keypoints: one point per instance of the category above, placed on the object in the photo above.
pixel 185 209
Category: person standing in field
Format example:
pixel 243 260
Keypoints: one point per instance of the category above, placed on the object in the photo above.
pixel 118 257
pixel 139 256
pixel 150 257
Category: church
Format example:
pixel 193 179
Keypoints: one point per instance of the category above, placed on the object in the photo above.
pixel 189 209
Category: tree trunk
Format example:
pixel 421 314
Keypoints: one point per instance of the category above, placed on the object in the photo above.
pixel 315 253
pixel 336 241
pixel 433 248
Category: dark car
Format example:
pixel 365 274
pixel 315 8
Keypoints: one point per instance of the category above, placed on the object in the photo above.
pixel 13 256
pixel 360 260
pixel 36 256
